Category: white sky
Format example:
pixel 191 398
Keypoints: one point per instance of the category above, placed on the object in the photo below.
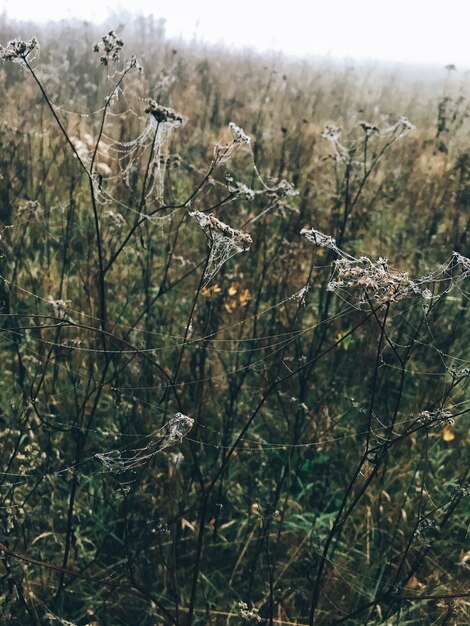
pixel 422 31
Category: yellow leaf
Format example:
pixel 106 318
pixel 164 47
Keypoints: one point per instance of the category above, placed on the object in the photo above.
pixel 245 297
pixel 413 583
pixel 448 434
pixel 209 292
pixel 232 290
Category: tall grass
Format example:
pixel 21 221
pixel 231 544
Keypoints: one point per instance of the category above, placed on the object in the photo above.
pixel 235 337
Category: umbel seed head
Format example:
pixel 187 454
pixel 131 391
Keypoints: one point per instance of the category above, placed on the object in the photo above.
pixel 161 113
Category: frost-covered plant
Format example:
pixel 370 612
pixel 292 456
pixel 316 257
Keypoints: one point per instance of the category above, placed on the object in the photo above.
pixel 224 241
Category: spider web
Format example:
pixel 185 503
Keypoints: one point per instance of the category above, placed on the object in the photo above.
pixel 125 460
pixel 224 242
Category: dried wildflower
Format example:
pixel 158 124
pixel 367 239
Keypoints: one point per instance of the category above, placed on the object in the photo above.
pixel 121 461
pixel 438 419
pixel 248 615
pixel 345 155
pixel 331 133
pixel 109 47
pixel 134 63
pixel 463 261
pixel 369 129
pixel 403 125
pixel 161 123
pixel 18 49
pixel 239 138
pixel 239 189
pixel 319 239
pixel 371 276
pixel 224 241
pixel 213 227
pixel 379 282
pixel 239 135
pixel 163 114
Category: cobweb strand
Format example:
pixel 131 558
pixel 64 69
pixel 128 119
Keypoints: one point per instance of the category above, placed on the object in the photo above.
pixel 173 432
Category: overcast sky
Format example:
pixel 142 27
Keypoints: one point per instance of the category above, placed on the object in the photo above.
pixel 423 31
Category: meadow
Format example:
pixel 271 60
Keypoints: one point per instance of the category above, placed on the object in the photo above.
pixel 235 335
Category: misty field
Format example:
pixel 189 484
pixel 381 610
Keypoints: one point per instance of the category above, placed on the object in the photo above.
pixel 234 307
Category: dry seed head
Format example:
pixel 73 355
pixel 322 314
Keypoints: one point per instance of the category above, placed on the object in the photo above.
pixel 122 461
pixel 387 286
pixel 163 114
pixel 369 129
pixel 405 123
pixel 463 261
pixel 18 49
pixel 379 282
pixel 224 240
pixel 239 138
pixel 402 126
pixel 109 47
pixel 319 239
pixel 331 133
pixel 437 419
pixel 248 615
pixel 239 135
pixel 239 189
pixel 213 227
